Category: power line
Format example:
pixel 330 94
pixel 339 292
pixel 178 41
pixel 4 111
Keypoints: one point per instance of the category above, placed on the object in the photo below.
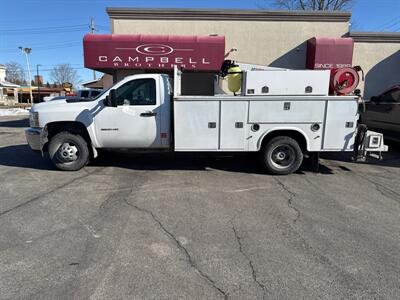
pixel 39 46
pixel 396 29
pixel 58 64
pixel 58 31
pixel 42 28
pixel 27 32
pixel 45 48
pixel 388 23
pixel 49 70
pixel 393 25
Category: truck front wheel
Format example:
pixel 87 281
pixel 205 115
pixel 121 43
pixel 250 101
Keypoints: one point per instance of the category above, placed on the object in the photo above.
pixel 282 155
pixel 68 152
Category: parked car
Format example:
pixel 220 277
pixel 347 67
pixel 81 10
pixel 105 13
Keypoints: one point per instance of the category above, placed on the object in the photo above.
pixel 81 94
pixel 51 98
pixel 383 113
pixel 87 93
pixel 58 98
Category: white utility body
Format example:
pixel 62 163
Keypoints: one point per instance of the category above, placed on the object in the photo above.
pixel 144 112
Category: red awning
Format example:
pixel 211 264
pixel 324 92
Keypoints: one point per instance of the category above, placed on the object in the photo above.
pixel 329 53
pixel 106 52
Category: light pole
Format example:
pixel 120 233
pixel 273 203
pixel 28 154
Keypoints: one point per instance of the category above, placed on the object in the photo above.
pixel 92 30
pixel 38 81
pixel 26 51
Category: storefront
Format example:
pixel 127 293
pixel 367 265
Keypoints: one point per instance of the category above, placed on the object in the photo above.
pixel 275 38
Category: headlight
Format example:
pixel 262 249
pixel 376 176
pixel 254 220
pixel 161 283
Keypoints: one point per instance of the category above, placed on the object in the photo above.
pixel 34 120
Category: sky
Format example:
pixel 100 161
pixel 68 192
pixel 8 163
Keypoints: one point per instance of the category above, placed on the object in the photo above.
pixel 54 28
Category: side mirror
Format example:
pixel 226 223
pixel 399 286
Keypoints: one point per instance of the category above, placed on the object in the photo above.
pixel 111 99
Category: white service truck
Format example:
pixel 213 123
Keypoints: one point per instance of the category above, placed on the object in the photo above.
pixel 279 120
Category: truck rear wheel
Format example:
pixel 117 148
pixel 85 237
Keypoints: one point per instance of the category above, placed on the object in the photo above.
pixel 282 155
pixel 68 152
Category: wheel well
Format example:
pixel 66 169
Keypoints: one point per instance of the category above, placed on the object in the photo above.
pixel 299 137
pixel 69 126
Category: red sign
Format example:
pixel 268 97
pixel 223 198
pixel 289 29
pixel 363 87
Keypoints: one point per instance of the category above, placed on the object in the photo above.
pixel 329 53
pixel 158 52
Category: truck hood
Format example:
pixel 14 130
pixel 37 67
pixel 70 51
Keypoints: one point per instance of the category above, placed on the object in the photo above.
pixel 62 104
pixel 64 111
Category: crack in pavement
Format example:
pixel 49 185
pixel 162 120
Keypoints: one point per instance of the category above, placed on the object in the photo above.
pixel 38 197
pixel 189 258
pixel 383 190
pixel 290 198
pixel 253 271
pixel 109 245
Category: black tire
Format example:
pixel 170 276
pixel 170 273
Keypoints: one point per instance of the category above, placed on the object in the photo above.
pixel 73 156
pixel 282 155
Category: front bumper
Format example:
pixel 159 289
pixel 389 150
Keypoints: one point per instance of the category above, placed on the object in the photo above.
pixel 33 138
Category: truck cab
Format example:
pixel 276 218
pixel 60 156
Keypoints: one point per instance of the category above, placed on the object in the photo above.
pixel 138 117
pixel 135 114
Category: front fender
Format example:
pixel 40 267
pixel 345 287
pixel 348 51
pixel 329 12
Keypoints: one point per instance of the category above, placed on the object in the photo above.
pixel 74 126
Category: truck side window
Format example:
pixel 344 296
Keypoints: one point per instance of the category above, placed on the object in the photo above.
pixel 137 92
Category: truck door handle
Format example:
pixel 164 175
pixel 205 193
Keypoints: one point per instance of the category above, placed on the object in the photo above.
pixel 148 114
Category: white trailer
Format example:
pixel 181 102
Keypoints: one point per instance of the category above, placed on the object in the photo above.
pixel 145 112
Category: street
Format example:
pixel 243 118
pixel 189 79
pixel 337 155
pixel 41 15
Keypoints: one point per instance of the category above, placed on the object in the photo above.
pixel 158 226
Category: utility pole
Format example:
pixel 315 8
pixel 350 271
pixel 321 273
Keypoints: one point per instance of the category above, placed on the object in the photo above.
pixel 26 51
pixel 92 30
pixel 38 81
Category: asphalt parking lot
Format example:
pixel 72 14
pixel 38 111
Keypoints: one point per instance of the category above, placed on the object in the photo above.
pixel 189 227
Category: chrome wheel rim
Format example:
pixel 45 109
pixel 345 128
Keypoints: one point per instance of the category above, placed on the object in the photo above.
pixel 283 156
pixel 68 152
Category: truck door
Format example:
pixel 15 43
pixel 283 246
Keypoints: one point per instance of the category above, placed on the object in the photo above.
pixel 135 122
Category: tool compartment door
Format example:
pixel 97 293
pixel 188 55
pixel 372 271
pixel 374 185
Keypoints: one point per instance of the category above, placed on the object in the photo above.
pixel 340 125
pixel 196 125
pixel 233 123
pixel 286 111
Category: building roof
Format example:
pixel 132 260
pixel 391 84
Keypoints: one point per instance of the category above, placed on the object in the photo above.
pixel 91 81
pixel 2 66
pixel 227 14
pixel 7 84
pixel 375 37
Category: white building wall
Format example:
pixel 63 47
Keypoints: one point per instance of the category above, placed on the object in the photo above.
pixel 2 73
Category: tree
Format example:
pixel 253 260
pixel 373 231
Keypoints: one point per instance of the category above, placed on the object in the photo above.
pixel 313 4
pixel 14 72
pixel 62 73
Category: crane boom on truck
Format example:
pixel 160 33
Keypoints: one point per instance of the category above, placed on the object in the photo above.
pixel 280 114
